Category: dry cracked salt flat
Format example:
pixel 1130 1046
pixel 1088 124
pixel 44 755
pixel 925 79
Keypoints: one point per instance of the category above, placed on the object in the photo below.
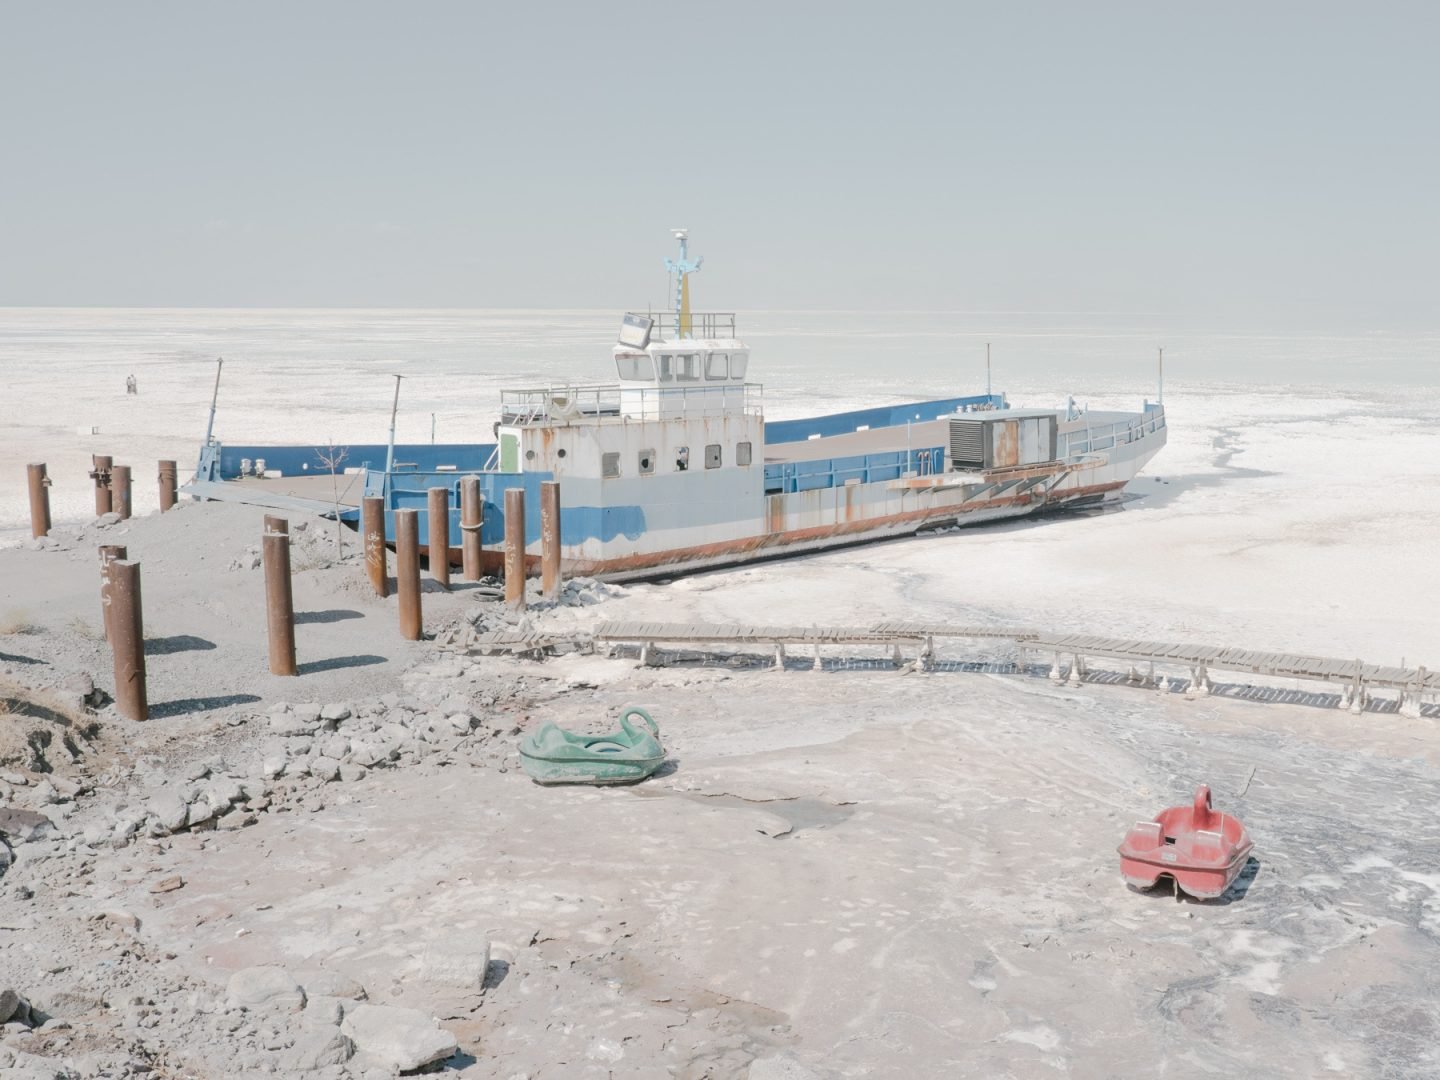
pixel 856 872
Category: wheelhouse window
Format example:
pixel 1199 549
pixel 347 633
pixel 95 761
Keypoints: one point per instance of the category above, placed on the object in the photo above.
pixel 609 465
pixel 742 453
pixel 647 462
pixel 687 367
pixel 634 366
pixel 667 367
pixel 717 366
pixel 712 456
pixel 738 362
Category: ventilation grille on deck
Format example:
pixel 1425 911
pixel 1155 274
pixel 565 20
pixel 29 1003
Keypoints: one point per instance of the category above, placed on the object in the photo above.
pixel 967 444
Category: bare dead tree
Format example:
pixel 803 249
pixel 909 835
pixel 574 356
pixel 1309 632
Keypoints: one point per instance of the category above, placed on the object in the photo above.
pixel 332 457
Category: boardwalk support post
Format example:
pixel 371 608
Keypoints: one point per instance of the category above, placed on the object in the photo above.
pixel 127 643
pixel 279 598
pixel 515 548
pixel 407 572
pixel 471 518
pixel 438 505
pixel 39 500
pixel 550 540
pixel 372 526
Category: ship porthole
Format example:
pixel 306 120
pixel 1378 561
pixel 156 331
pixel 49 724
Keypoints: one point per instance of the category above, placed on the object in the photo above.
pixel 560 453
pixel 529 455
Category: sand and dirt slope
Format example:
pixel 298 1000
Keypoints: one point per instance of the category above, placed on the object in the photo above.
pixel 850 873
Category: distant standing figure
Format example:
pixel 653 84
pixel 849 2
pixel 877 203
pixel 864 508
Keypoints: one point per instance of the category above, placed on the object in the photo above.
pixel 131 386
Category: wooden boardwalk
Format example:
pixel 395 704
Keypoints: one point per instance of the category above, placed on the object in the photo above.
pixel 1200 659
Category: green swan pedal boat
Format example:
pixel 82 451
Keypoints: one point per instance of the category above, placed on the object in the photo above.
pixel 552 755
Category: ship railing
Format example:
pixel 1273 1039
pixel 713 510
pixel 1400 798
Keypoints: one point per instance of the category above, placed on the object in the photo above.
pixel 557 405
pixel 704 325
pixel 1075 444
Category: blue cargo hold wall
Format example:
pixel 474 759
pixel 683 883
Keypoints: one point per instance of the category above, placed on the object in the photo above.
pixel 792 476
pixel 302 460
pixel 787 431
pixel 410 491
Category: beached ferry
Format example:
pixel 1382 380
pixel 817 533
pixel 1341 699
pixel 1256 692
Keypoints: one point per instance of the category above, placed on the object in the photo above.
pixel 672 467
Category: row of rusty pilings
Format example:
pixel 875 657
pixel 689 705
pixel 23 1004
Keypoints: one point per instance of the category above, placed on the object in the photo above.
pixel 112 490
pixel 407 546
pixel 120 601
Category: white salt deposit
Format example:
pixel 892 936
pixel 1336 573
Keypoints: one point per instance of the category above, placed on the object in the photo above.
pixel 1290 510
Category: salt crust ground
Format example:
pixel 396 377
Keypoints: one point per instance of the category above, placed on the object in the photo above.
pixel 852 873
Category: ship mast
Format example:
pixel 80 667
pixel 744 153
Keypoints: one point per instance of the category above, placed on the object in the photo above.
pixel 682 268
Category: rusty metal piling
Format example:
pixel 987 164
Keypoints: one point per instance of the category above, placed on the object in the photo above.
pixel 439 512
pixel 120 490
pixel 372 528
pixel 550 539
pixel 100 473
pixel 407 572
pixel 279 598
pixel 108 554
pixel 39 500
pixel 515 548
pixel 169 477
pixel 471 518
pixel 127 640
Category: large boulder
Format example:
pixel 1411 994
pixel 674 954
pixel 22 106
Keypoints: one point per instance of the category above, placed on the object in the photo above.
pixel 404 1039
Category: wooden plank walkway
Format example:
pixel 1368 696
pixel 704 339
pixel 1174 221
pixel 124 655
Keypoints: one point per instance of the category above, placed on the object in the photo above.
pixel 1194 656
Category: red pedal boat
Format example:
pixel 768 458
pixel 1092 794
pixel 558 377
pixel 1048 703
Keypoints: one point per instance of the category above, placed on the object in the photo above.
pixel 1201 850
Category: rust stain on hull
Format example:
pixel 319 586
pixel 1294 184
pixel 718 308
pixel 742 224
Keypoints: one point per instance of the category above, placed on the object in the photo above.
pixel 775 542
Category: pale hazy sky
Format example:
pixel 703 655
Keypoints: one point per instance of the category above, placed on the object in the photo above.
pixel 1227 164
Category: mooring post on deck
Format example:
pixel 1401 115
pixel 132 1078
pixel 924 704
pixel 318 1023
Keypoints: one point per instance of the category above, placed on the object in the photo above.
pixel 550 539
pixel 100 473
pixel 169 477
pixel 120 490
pixel 515 548
pixel 471 518
pixel 127 641
pixel 279 600
pixel 438 506
pixel 108 554
pixel 372 526
pixel 407 572
pixel 39 500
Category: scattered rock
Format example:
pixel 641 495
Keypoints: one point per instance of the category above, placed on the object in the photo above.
pixel 319 1048
pixel 11 1003
pixel 24 826
pixel 404 1039
pixel 335 713
pixel 332 984
pixel 351 771
pixel 169 884
pixel 123 919
pixel 265 985
pixel 458 958
pixel 324 768
pixel 170 811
